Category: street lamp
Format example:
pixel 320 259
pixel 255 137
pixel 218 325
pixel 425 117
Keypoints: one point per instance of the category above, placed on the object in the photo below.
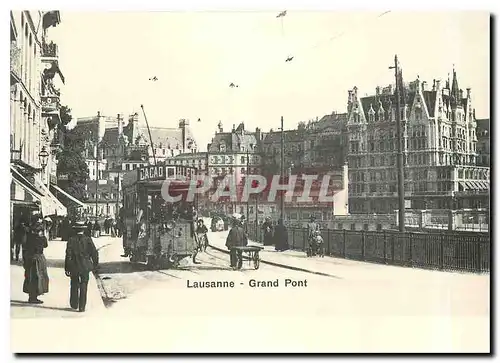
pixel 44 157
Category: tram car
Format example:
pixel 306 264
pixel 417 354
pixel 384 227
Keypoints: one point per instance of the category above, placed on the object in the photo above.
pixel 157 232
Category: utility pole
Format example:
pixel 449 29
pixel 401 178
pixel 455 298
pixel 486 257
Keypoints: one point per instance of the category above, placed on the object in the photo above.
pixel 150 137
pixel 96 175
pixel 400 160
pixel 282 209
pixel 248 202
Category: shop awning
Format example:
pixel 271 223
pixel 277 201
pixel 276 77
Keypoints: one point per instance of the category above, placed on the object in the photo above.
pixel 50 205
pixel 70 197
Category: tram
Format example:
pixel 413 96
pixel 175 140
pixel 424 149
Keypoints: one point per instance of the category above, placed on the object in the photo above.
pixel 157 232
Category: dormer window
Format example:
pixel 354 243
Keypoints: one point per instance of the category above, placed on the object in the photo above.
pixel 222 147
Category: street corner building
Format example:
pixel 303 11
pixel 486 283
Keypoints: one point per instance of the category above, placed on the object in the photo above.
pixel 35 132
pixel 445 149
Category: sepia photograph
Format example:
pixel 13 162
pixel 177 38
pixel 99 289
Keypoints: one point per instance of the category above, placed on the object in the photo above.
pixel 258 181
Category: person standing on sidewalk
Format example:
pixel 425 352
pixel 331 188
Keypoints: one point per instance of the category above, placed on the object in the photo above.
pixel 81 258
pixel 20 237
pixel 268 229
pixel 236 238
pixel 281 237
pixel 36 278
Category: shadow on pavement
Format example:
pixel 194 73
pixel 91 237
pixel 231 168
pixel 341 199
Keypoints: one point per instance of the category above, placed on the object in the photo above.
pixel 41 306
pixel 121 267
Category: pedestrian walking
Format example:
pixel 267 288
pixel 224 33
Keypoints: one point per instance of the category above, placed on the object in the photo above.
pixel 96 229
pixel 36 278
pixel 236 238
pixel 281 237
pixel 81 258
pixel 88 232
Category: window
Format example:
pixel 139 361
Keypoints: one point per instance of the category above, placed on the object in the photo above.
pixel 340 226
pixel 353 227
pixel 365 226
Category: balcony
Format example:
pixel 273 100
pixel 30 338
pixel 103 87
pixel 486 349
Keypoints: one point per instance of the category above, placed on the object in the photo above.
pixel 50 50
pixel 15 63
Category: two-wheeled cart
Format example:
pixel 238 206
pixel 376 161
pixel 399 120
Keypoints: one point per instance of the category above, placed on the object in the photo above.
pixel 252 254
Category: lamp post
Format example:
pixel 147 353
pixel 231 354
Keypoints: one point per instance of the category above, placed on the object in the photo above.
pixel 44 158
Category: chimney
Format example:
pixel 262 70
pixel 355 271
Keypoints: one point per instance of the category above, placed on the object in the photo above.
pixel 258 135
pixel 98 113
pixel 377 90
pixel 234 127
pixel 433 84
pixel 119 119
pixel 438 85
pixel 468 92
pixel 424 86
pixel 461 93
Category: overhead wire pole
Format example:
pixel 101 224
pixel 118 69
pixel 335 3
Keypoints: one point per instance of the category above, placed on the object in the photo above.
pixel 282 133
pixel 248 201
pixel 150 137
pixel 282 166
pixel 400 159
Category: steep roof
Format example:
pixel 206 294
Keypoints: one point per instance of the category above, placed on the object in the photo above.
pixel 430 101
pixel 234 140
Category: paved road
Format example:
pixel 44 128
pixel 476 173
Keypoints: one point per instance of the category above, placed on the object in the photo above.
pixel 364 307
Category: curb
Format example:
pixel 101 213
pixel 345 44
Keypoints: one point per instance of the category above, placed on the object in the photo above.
pixel 289 267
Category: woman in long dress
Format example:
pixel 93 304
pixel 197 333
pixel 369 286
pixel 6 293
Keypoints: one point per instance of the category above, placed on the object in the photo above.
pixel 36 278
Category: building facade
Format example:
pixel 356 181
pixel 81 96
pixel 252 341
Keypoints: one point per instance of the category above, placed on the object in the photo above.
pixel 34 112
pixel 439 146
pixel 483 142
pixel 118 144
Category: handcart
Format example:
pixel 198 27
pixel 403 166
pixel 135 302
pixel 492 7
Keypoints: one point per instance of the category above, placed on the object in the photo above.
pixel 252 253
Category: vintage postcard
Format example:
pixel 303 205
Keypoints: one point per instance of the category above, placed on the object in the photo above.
pixel 243 182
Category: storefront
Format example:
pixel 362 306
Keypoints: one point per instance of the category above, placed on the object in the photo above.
pixel 28 193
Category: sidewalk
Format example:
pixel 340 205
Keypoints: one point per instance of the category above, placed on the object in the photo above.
pixel 294 260
pixel 341 268
pixel 56 301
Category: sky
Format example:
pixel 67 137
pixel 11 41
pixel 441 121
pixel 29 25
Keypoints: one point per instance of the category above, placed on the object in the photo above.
pixel 107 59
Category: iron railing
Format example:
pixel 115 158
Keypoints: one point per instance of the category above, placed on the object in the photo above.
pixel 449 251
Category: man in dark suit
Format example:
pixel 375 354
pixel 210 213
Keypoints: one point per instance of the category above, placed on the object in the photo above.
pixel 236 237
pixel 81 258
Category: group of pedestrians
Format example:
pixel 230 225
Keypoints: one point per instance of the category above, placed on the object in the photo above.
pixel 81 257
pixel 276 235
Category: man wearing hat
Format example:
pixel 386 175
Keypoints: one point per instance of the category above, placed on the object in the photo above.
pixel 236 238
pixel 81 258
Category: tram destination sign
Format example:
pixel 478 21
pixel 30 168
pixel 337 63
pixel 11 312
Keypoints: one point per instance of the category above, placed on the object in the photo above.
pixel 151 172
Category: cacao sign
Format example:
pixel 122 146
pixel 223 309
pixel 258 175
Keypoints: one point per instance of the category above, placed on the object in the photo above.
pixel 152 172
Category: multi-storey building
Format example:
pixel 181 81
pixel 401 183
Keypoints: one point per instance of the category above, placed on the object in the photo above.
pixel 118 147
pixel 196 160
pixel 34 112
pixel 232 153
pixel 439 146
pixel 483 142
pixel 318 143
